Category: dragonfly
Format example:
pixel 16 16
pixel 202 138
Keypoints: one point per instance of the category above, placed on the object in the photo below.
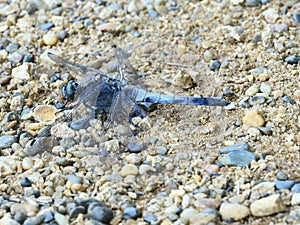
pixel 117 96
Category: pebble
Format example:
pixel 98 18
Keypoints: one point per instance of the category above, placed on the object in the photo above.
pixel 74 212
pixel 215 65
pixel 281 176
pixel 131 213
pixel 15 57
pixel 12 47
pixel 50 39
pixel 295 199
pixel 129 169
pixel 235 147
pixel 186 215
pixel 21 72
pixel 237 158
pixel 296 188
pixel 284 184
pixel 135 147
pixel 27 163
pixel 257 100
pixel 207 56
pixel 60 219
pixel 220 182
pixel 264 187
pixel 254 118
pixel 25 182
pixel 287 99
pixel 46 26
pixel 28 58
pixel 5 220
pixel 266 130
pixel 252 90
pixel 271 15
pixel 36 220
pixel 102 214
pixel 296 17
pixel 252 3
pixel 267 206
pixel 234 210
pixel 293 59
pixel 150 218
pixel 207 216
pixel 6 141
pixel 20 217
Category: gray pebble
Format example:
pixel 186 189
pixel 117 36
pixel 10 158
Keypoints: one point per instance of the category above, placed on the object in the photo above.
pixel 10 116
pixel 7 140
pixel 215 65
pixel 153 13
pixel 237 158
pixel 135 147
pixel 26 114
pixel 77 210
pixel 131 213
pixel 266 130
pixel 88 22
pixel 296 188
pixel 240 146
pixel 252 3
pixel 73 179
pixel 31 7
pixel 102 214
pixel 287 99
pixel 293 59
pixel 47 26
pixel 28 58
pixel 62 35
pixel 36 220
pixel 12 47
pixel 281 175
pixel 296 17
pixel 284 184
pixel 60 219
pixel 15 57
pixel 137 34
pixel 25 182
pixel 20 217
pixel 150 218
pixel 265 88
pixel 257 100
pixel 85 202
pixel 67 142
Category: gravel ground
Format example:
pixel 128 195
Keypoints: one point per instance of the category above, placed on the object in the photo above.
pixel 190 164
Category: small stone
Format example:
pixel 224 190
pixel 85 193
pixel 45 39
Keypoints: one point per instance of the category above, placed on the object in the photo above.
pixel 102 214
pixel 281 175
pixel 112 27
pixel 5 220
pixel 235 147
pixel 50 39
pixel 153 13
pixel 27 163
pixel 252 3
pixel 25 182
pixel 7 141
pixel 264 187
pixel 257 100
pixel 21 72
pixel 12 47
pixel 183 80
pixel 74 212
pixel 220 182
pixel 234 210
pixel 20 217
pixel 296 17
pixel 207 56
pixel 46 26
pixel 237 158
pixel 150 218
pixel 284 184
pixel 129 169
pixel 267 206
pixel 287 99
pixel 186 214
pixel 215 65
pixel 295 199
pixel 254 118
pixel 60 219
pixel 254 89
pixel 135 147
pixel 144 169
pixel 15 57
pixel 266 130
pixel 270 15
pixel 28 58
pixel 296 188
pixel 207 216
pixel 131 213
pixel 212 168
pixel 293 59
pixel 34 220
pixel 181 49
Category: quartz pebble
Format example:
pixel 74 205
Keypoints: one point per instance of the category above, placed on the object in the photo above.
pixel 267 206
pixel 50 39
pixel 254 118
pixel 234 210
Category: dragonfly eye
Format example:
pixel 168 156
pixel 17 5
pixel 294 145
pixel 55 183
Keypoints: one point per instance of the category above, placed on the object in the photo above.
pixel 68 90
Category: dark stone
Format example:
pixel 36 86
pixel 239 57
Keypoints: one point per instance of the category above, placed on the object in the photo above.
pixel 25 182
pixel 102 214
pixel 288 100
pixel 76 211
pixel 135 147
pixel 28 58
pixel 237 158
pixel 296 17
pixel 215 65
pixel 131 213
pixel 47 26
pixel 12 47
pixel 150 218
pixel 20 217
pixel 293 59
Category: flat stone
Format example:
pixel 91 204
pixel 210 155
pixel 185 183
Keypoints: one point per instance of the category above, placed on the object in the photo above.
pixel 7 140
pixel 6 220
pixel 264 187
pixel 186 214
pixel 267 206
pixel 21 72
pixel 235 147
pixel 234 210
pixel 296 188
pixel 237 158
pixel 284 184
pixel 60 219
